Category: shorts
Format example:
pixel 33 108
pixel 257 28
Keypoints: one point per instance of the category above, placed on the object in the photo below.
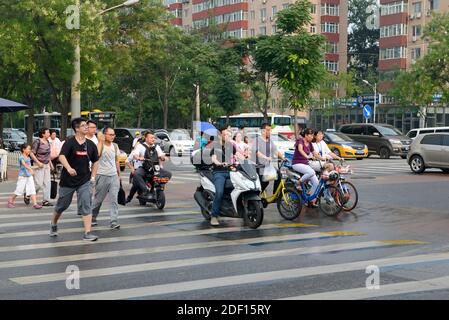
pixel 84 199
pixel 25 184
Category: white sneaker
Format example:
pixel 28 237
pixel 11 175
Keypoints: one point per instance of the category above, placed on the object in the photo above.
pixel 214 221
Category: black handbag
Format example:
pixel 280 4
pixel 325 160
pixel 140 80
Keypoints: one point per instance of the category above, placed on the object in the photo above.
pixel 54 187
pixel 121 198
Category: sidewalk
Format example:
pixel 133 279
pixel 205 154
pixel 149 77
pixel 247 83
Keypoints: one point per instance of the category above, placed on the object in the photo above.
pixel 10 184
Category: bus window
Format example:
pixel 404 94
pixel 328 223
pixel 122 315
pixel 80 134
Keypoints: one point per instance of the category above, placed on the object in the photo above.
pixel 282 121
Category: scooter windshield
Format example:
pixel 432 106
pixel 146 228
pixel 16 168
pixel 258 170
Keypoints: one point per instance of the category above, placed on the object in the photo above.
pixel 249 170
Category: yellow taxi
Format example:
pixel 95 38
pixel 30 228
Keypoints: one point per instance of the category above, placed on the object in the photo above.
pixel 345 147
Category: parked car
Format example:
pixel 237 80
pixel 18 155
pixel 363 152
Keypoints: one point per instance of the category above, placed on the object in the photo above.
pixel 176 143
pixel 382 139
pixel 13 138
pixel 429 151
pixel 345 147
pixel 124 137
pixel 412 134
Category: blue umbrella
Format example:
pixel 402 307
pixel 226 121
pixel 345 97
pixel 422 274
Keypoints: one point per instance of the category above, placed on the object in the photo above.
pixel 206 127
pixel 11 106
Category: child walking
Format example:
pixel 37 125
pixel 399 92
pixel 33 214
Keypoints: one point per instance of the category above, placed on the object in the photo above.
pixel 25 181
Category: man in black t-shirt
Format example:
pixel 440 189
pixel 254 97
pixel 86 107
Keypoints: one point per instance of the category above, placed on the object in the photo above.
pixel 221 153
pixel 76 154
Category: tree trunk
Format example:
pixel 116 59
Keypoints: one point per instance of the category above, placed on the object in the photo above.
pixel 139 118
pixel 64 116
pixel 295 124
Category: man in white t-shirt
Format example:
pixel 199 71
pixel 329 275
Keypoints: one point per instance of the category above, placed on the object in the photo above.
pixel 321 151
pixel 136 139
pixel 91 131
pixel 147 150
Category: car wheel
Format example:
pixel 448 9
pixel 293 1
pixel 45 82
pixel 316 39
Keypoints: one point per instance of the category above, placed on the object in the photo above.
pixel 384 153
pixel 335 150
pixel 445 170
pixel 417 164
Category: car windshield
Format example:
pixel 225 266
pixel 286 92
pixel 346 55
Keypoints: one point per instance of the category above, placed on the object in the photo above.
pixel 389 131
pixel 15 135
pixel 338 137
pixel 21 134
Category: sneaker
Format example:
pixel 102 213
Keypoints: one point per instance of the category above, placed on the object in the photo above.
pixel 47 204
pixel 26 200
pixel 115 225
pixel 94 222
pixel 10 205
pixel 37 206
pixel 214 221
pixel 90 237
pixel 53 230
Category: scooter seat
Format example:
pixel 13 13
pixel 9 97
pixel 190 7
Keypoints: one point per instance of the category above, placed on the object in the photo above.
pixel 208 174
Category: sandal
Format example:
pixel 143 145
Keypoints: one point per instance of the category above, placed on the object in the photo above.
pixel 10 204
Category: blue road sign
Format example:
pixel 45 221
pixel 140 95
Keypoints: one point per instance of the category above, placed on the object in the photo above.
pixel 367 111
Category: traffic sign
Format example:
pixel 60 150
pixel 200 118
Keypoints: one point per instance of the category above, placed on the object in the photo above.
pixel 367 111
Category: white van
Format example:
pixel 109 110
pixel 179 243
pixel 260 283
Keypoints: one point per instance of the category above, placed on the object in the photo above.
pixel 412 134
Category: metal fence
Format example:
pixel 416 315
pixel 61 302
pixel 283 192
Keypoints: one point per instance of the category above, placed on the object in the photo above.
pixel 13 158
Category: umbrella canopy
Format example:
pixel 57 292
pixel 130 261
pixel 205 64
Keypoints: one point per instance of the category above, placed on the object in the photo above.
pixel 206 127
pixel 11 106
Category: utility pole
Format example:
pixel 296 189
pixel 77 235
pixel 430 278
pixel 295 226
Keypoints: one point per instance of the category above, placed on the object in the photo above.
pixel 197 100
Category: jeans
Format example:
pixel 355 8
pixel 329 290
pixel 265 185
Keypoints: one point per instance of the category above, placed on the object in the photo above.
pixel 219 183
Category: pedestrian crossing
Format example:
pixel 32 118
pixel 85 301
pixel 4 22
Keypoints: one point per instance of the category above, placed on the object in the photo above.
pixel 176 253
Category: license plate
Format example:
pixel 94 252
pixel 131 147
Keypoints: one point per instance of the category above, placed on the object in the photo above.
pixel 406 148
pixel 360 152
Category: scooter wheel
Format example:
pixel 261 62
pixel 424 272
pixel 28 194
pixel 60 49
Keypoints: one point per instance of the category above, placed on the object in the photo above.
pixel 254 214
pixel 142 202
pixel 160 199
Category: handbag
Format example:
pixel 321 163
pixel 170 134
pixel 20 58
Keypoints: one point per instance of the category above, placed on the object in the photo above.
pixel 269 173
pixel 53 187
pixel 121 198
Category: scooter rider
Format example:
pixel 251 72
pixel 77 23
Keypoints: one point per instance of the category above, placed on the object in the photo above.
pixel 221 153
pixel 147 150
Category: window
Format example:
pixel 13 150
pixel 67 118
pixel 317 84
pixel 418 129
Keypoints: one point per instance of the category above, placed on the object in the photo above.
pixel 412 134
pixel 417 7
pixel 313 9
pixel 332 47
pixel 312 28
pixel 285 5
pixel 434 5
pixel 263 31
pixel 393 30
pixel 446 140
pixel 433 139
pixel 253 15
pixel 263 15
pixel 331 65
pixel 416 31
pixel 358 130
pixel 416 53
pixel 329 27
pixel 347 129
pixel 371 130
pixel 393 8
pixel 253 33
pixel 393 53
pixel 274 10
pixel 330 9
pixel 275 29
pixel 186 12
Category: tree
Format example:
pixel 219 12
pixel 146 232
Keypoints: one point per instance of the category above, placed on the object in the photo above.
pixel 363 38
pixel 294 55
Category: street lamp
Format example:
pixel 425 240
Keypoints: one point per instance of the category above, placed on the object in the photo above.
pixel 375 97
pixel 75 102
pixel 197 102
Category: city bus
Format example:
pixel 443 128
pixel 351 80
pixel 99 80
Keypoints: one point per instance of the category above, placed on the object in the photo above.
pixel 53 119
pixel 280 124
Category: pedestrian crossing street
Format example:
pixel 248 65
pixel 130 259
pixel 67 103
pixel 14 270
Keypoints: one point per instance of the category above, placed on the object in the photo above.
pixel 175 254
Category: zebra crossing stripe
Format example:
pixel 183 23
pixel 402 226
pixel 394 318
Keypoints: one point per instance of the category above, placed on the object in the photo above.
pixel 170 248
pixel 73 230
pixel 200 261
pixel 121 217
pixel 210 283
pixel 138 237
pixel 434 284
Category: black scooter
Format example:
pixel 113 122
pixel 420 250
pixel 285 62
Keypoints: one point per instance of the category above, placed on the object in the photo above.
pixel 156 184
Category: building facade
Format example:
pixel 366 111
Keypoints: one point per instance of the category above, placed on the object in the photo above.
pixel 401 44
pixel 251 18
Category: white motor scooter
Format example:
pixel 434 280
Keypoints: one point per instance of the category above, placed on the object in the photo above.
pixel 241 198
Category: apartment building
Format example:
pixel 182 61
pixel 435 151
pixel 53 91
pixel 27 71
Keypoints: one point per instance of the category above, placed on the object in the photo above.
pixel 251 18
pixel 400 45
